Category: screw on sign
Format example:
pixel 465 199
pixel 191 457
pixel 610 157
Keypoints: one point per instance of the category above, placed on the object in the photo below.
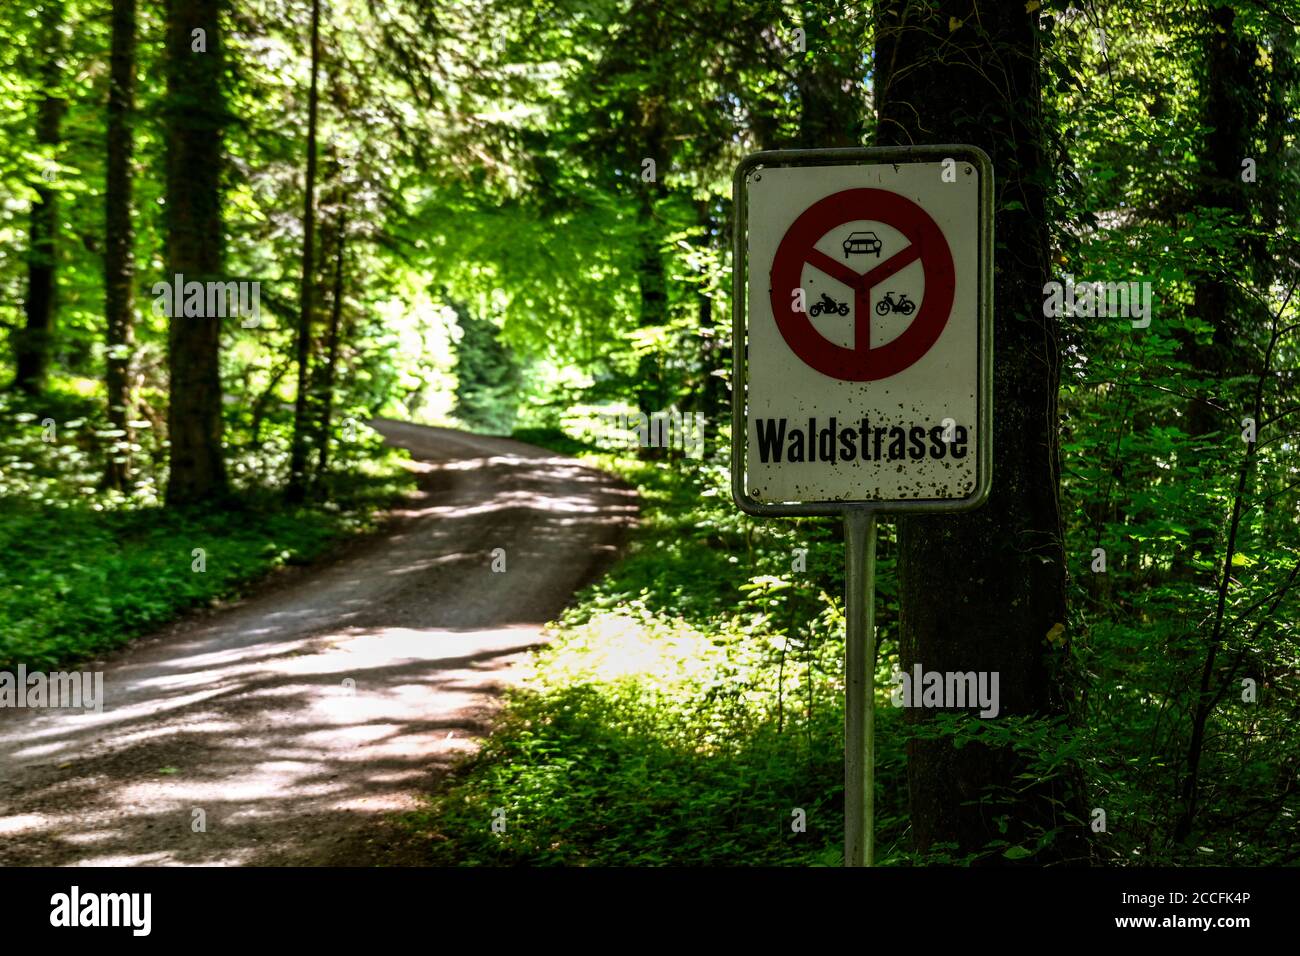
pixel 926 243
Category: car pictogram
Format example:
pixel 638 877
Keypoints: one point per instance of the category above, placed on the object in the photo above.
pixel 865 243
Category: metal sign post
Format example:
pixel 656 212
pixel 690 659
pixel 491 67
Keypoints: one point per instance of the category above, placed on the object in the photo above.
pixel 862 297
pixel 860 687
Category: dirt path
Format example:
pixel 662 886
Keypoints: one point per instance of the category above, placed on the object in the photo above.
pixel 246 715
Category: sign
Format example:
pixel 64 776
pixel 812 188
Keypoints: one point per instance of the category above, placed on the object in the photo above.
pixel 863 330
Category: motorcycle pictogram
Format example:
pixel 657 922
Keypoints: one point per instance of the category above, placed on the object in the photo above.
pixel 828 306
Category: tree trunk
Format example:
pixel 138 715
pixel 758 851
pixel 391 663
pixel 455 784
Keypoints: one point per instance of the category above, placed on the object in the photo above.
pixel 332 349
pixel 652 281
pixel 711 399
pixel 1231 103
pixel 297 489
pixel 195 115
pixel 981 591
pixel 32 344
pixel 1284 77
pixel 1229 107
pixel 119 262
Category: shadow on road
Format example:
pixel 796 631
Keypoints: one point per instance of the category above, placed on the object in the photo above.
pixel 283 730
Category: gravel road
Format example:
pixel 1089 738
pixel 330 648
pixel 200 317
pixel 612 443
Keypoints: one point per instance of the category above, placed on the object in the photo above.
pixel 293 723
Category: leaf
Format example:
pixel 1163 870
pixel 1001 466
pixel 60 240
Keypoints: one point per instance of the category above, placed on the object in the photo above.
pixel 1017 853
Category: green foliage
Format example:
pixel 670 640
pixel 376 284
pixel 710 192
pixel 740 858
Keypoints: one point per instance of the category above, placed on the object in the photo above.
pixel 686 706
pixel 1152 451
pixel 487 377
pixel 491 154
pixel 86 570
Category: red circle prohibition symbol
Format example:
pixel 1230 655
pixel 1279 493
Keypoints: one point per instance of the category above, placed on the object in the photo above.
pixel 862 363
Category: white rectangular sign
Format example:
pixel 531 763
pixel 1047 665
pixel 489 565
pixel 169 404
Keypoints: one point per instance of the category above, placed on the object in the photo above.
pixel 865 365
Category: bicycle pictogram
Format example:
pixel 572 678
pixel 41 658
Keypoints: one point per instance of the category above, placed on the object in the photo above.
pixel 889 304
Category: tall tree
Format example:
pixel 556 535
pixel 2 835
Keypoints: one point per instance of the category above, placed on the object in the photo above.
pixel 119 262
pixel 1231 103
pixel 32 344
pixel 329 371
pixel 966 71
pixel 710 398
pixel 195 116
pixel 646 114
pixel 297 488
pixel 1235 96
pixel 329 281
